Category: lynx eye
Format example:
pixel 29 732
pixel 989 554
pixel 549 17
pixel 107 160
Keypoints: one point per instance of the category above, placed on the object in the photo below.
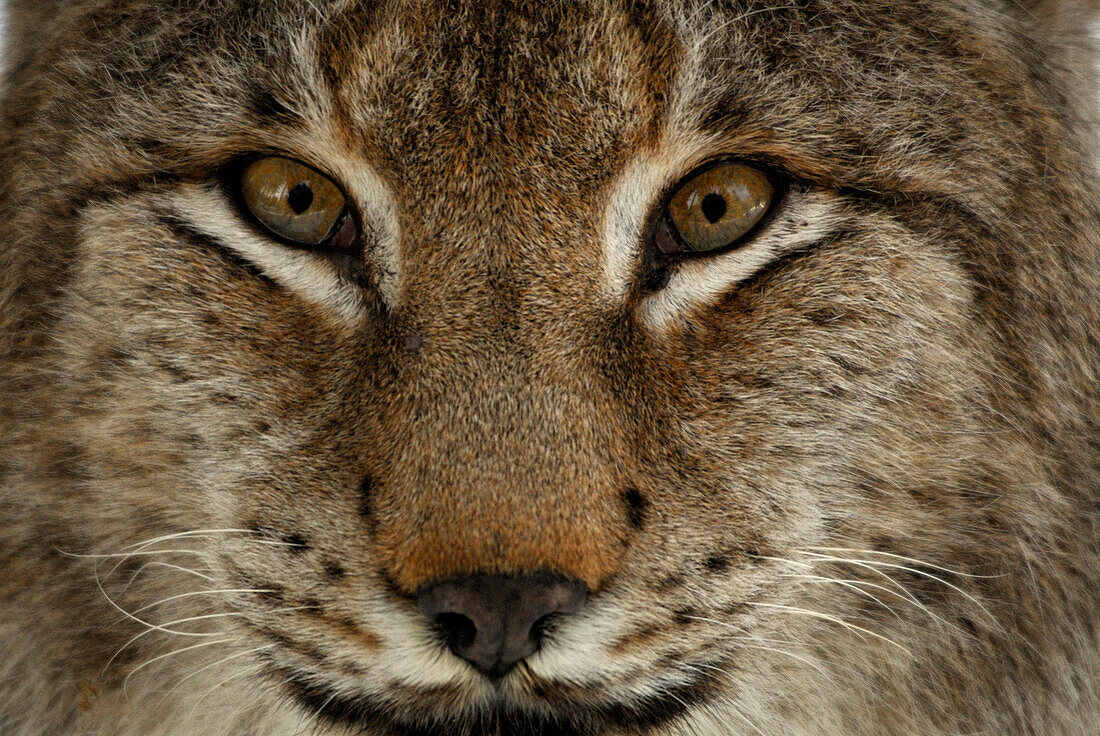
pixel 713 208
pixel 292 200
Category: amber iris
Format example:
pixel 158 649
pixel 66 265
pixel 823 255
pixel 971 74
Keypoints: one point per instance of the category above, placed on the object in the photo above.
pixel 292 200
pixel 716 207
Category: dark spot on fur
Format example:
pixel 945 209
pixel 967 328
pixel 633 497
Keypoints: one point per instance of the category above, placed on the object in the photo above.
pixel 849 366
pixel 286 642
pixel 312 605
pixel 298 544
pixel 636 507
pixel 333 569
pixel 178 375
pixel 226 399
pixel 67 461
pixel 685 616
pixel 717 563
pixel 366 502
pixel 758 382
pixel 412 342
pixel 670 582
pixel 969 625
pixel 883 544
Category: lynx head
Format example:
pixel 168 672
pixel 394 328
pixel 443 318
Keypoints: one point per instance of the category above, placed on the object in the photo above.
pixel 577 368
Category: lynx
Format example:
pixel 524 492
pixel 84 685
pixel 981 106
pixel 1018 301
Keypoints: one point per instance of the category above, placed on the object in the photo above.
pixel 571 368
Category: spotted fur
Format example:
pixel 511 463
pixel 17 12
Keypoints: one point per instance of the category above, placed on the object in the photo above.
pixel 840 481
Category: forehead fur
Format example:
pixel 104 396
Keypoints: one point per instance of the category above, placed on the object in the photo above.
pixel 489 106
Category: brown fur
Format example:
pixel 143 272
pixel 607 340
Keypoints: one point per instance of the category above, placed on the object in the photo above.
pixel 853 494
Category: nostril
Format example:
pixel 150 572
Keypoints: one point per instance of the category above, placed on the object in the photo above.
pixel 457 630
pixel 495 621
pixel 542 627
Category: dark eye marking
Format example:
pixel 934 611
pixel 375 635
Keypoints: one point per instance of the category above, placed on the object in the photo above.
pixel 188 234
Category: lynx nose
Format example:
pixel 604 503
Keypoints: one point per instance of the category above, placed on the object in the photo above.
pixel 494 621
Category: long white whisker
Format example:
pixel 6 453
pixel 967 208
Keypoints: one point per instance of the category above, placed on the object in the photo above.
pixel 223 660
pixel 914 571
pixel 193 593
pixel 179 568
pixel 901 592
pixel 225 614
pixel 173 653
pixel 743 642
pixel 852 585
pixel 181 535
pixel 147 624
pixel 832 619
pixel 911 560
pixel 125 555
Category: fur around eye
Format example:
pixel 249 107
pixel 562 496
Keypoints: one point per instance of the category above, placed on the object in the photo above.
pixel 292 200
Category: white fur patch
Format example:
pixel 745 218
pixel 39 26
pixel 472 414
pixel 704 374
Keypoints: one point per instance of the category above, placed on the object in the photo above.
pixel 803 218
pixel 309 275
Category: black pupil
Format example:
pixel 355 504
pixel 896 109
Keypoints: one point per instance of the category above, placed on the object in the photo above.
pixel 301 197
pixel 713 206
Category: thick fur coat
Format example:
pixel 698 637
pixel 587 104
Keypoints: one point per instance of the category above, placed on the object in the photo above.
pixel 840 479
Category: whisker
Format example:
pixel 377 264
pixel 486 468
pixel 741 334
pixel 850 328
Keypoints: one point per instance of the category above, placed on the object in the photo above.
pixel 124 555
pixel 193 593
pixel 911 560
pixel 743 639
pixel 215 664
pixel 901 592
pixel 173 653
pixel 852 585
pixel 127 614
pixel 181 535
pixel 179 568
pixel 914 571
pixel 832 619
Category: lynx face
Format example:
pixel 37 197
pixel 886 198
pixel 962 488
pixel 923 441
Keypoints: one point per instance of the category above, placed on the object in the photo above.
pixel 521 369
